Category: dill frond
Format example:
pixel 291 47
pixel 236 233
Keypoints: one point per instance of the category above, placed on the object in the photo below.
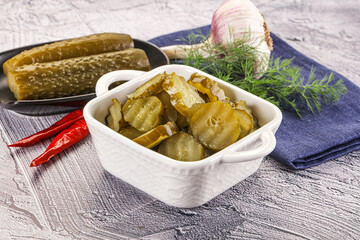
pixel 281 83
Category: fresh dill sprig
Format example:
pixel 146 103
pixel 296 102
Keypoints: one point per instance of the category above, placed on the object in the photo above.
pixel 281 83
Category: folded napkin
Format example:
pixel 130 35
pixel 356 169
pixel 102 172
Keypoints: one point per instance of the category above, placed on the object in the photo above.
pixel 316 138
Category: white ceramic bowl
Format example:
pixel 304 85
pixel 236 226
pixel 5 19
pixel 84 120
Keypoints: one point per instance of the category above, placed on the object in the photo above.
pixel 180 184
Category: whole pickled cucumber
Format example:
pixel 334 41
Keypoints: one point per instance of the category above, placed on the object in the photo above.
pixel 71 76
pixel 76 47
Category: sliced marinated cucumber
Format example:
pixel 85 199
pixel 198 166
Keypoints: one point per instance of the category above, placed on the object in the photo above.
pixel 182 95
pixel 214 124
pixel 183 147
pixel 130 132
pixel 156 135
pixel 114 119
pixel 206 86
pixel 143 114
pixel 149 88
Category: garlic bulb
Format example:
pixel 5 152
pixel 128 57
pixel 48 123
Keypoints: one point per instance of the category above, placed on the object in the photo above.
pixel 235 19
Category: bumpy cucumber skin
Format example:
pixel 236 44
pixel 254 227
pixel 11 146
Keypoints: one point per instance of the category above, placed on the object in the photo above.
pixel 72 76
pixel 71 48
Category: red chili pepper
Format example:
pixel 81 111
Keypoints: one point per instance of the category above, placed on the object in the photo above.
pixel 62 141
pixel 57 127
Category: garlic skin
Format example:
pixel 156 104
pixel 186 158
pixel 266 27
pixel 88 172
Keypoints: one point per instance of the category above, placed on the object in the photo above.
pixel 235 19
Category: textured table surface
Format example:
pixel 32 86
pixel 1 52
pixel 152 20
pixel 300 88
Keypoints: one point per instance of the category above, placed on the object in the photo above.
pixel 322 202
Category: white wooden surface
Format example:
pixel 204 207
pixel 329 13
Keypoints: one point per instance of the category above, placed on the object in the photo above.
pixel 275 203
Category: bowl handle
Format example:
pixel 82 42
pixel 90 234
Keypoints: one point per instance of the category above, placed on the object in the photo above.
pixel 268 143
pixel 102 85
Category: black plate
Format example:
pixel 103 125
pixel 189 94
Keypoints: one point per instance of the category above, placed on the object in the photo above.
pixel 66 104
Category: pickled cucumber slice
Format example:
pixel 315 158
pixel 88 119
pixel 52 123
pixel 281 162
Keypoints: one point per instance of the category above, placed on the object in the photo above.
pixel 183 147
pixel 241 105
pixel 206 86
pixel 214 124
pixel 149 88
pixel 182 95
pixel 246 118
pixel 114 119
pixel 143 114
pixel 72 76
pixel 255 125
pixel 130 132
pixel 156 135
pixel 181 121
pixel 170 113
pixel 246 123
pixel 76 47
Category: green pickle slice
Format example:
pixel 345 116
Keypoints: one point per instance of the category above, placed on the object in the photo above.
pixel 181 121
pixel 246 118
pixel 170 113
pixel 143 114
pixel 153 137
pixel 182 94
pixel 206 86
pixel 149 88
pixel 214 124
pixel 114 119
pixel 130 132
pixel 183 147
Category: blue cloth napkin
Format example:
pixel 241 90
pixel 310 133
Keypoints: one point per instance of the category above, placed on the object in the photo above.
pixel 316 138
